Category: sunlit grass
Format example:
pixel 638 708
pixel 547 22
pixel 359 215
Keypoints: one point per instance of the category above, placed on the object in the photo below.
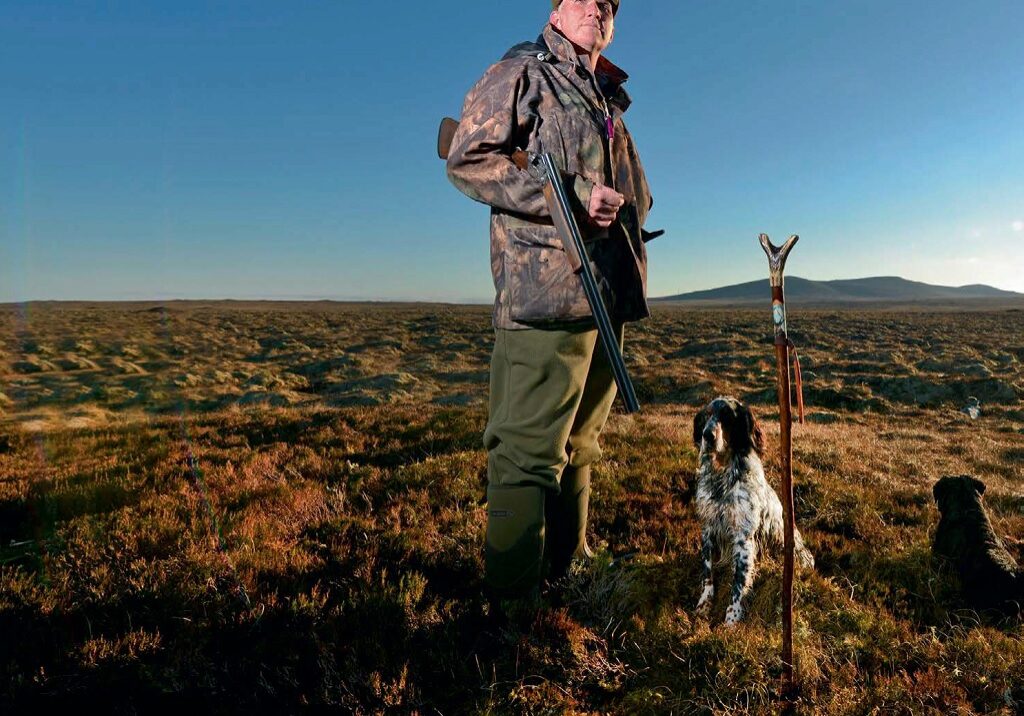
pixel 242 555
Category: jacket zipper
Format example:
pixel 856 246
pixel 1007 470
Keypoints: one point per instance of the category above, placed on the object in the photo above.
pixel 609 133
pixel 609 124
pixel 609 129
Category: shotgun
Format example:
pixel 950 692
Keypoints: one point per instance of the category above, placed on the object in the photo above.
pixel 543 165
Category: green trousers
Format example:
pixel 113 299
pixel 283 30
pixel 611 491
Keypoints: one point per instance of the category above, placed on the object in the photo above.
pixel 550 394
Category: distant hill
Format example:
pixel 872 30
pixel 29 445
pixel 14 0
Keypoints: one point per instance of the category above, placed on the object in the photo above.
pixel 879 288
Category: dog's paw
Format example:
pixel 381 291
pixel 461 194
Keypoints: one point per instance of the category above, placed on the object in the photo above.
pixel 704 603
pixel 733 615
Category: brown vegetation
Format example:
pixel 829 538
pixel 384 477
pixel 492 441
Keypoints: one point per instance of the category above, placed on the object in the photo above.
pixel 274 505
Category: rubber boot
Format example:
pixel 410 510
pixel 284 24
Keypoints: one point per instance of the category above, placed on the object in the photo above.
pixel 514 551
pixel 567 521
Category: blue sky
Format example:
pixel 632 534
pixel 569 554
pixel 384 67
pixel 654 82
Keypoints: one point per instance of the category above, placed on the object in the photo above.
pixel 272 149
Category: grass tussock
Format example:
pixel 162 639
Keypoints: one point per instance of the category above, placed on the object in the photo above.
pixel 164 538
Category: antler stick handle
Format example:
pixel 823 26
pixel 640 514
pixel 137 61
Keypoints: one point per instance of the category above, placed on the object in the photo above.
pixel 777 256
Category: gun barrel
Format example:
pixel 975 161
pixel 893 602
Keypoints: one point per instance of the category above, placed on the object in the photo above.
pixel 572 240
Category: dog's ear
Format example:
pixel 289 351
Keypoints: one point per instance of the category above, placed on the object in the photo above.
pixel 745 434
pixel 756 434
pixel 977 484
pixel 699 421
pixel 943 489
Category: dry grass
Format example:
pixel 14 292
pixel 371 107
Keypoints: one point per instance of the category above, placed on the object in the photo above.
pixel 270 506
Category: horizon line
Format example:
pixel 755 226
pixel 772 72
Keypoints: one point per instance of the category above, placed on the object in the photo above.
pixel 464 301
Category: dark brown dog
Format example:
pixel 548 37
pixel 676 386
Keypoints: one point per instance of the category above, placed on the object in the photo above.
pixel 989 576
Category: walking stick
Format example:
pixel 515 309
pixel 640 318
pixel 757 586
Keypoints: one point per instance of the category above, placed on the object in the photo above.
pixel 776 264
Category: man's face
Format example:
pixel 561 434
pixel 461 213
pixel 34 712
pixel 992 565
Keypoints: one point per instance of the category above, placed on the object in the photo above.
pixel 589 24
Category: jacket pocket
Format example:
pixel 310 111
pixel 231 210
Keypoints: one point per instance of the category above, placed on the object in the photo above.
pixel 531 235
pixel 540 282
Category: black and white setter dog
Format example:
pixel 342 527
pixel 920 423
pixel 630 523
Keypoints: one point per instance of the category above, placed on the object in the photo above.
pixel 738 510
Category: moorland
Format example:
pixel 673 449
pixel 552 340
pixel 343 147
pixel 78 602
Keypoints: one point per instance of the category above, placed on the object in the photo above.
pixel 272 506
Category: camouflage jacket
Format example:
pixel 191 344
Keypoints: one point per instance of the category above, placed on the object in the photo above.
pixel 542 97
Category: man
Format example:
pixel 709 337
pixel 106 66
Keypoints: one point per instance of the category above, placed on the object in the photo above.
pixel 551 387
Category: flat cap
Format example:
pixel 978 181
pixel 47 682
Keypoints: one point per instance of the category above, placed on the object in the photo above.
pixel 615 4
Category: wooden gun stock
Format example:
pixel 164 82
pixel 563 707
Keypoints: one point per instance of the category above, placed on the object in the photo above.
pixel 446 132
pixel 444 136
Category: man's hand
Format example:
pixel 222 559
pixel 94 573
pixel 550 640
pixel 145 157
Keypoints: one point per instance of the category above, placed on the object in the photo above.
pixel 605 203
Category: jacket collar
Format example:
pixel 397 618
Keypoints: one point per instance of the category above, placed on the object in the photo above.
pixel 609 76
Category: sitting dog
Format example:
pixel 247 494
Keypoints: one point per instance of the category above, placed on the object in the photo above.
pixel 738 510
pixel 988 573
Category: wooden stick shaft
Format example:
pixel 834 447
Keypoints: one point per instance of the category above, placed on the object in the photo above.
pixel 786 464
pixel 776 266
